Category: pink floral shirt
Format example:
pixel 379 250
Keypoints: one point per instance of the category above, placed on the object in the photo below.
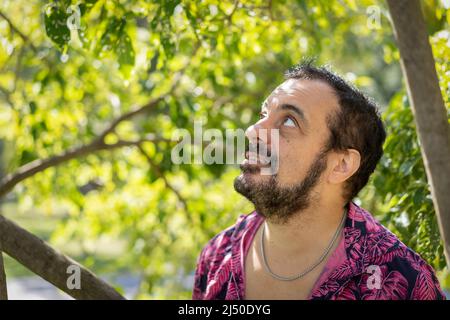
pixel 369 263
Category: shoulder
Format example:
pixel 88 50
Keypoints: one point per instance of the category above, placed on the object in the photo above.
pixel 213 262
pixel 391 270
pixel 222 243
pixel 400 274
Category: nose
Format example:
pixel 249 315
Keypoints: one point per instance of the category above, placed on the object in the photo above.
pixel 260 132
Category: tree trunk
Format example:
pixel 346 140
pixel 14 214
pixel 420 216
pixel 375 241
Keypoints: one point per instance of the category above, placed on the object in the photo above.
pixel 429 110
pixel 51 265
pixel 3 287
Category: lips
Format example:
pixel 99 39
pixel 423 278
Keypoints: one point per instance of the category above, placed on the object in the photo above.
pixel 253 159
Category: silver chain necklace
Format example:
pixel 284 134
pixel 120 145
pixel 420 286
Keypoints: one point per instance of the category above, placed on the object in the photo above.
pixel 311 268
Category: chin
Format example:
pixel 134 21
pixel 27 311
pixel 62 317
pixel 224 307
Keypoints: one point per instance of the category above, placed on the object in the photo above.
pixel 252 177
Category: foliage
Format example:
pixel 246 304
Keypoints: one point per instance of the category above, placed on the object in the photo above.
pixel 61 86
pixel 406 204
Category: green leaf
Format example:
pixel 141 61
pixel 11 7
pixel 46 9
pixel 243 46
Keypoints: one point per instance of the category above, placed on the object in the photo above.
pixel 33 107
pixel 55 20
pixel 125 52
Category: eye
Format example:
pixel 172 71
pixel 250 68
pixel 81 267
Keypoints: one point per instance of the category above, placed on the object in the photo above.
pixel 288 122
pixel 262 115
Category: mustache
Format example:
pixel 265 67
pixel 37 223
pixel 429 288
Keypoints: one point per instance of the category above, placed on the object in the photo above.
pixel 248 168
pixel 259 154
pixel 260 158
pixel 259 148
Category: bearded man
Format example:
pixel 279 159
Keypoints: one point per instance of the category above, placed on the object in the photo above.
pixel 307 238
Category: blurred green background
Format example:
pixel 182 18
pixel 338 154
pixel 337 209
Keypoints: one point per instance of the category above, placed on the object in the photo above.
pixel 118 213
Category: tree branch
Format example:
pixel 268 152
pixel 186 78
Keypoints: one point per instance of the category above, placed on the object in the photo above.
pixel 142 109
pixel 31 168
pixel 43 260
pixel 150 105
pixel 3 287
pixel 230 16
pixel 13 27
pixel 162 176
pixel 430 114
pixel 7 95
pixel 39 165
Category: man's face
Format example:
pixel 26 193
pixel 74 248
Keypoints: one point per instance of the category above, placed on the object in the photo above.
pixel 299 110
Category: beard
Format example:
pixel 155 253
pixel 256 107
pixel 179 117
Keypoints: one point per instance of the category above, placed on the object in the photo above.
pixel 277 203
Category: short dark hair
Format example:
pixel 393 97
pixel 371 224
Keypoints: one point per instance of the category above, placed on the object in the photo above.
pixel 357 125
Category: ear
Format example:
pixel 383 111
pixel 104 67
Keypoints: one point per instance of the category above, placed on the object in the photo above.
pixel 344 165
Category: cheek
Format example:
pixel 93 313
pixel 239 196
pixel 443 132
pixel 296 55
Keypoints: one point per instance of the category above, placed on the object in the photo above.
pixel 294 160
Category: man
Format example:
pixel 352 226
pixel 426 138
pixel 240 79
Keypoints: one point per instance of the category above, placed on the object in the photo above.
pixel 306 239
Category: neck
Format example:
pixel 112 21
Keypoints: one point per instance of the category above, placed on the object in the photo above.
pixel 306 232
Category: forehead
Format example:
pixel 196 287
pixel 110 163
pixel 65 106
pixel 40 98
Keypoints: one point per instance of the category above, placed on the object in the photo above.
pixel 314 97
